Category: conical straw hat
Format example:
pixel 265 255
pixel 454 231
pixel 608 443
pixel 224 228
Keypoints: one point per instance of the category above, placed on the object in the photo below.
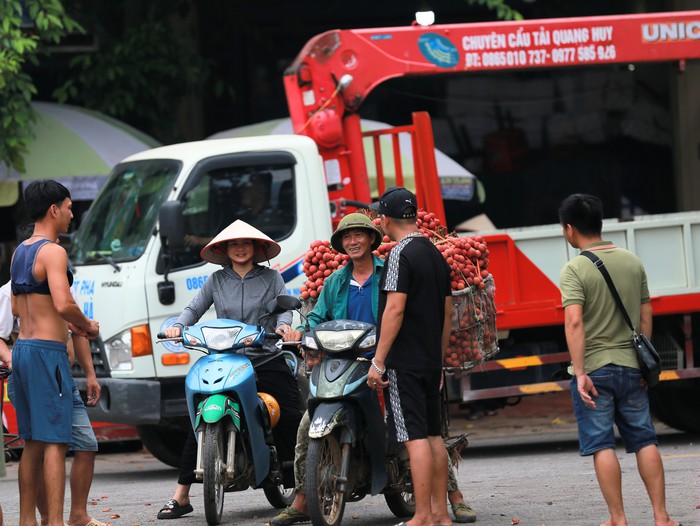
pixel 215 251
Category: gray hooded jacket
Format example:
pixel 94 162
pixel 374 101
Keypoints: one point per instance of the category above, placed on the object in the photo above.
pixel 241 299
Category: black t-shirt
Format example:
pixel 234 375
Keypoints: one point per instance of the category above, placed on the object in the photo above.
pixel 416 268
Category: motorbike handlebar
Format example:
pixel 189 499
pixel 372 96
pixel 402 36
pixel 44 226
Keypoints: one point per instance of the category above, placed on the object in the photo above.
pixel 162 337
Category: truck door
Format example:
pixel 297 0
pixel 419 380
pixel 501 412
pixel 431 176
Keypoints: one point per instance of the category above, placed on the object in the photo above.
pixel 256 187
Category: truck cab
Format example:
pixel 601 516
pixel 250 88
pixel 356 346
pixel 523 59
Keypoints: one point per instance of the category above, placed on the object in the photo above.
pixel 136 282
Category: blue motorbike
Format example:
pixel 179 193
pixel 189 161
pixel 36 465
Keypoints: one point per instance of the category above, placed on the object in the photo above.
pixel 232 421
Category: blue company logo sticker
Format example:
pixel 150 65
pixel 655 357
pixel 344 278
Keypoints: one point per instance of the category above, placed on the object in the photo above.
pixel 171 346
pixel 438 50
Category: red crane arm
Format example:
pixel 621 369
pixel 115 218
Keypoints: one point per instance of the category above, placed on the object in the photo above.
pixel 336 70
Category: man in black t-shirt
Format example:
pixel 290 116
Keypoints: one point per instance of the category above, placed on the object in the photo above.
pixel 415 313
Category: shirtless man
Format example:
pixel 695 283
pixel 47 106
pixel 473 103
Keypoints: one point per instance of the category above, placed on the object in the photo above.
pixel 41 298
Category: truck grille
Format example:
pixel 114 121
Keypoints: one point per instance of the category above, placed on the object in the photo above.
pixel 99 361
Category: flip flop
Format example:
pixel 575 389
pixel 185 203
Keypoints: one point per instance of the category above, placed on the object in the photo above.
pixel 173 510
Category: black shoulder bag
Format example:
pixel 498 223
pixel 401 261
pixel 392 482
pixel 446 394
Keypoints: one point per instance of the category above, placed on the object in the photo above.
pixel 649 360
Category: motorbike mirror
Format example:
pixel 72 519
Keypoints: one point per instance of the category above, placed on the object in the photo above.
pixel 282 303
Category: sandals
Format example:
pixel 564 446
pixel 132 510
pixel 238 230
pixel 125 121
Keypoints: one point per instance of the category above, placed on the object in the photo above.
pixel 173 510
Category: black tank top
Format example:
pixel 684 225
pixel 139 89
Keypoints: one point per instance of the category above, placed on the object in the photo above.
pixel 22 270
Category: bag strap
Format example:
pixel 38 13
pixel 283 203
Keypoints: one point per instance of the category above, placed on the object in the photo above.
pixel 601 266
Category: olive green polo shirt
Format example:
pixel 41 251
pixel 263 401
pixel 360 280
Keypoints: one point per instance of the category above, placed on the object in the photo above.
pixel 608 337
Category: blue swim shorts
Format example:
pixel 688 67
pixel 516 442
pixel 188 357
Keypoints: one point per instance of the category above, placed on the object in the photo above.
pixel 621 401
pixel 43 391
pixel 82 436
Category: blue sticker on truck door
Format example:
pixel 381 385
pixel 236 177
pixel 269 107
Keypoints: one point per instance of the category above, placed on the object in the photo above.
pixel 84 293
pixel 438 50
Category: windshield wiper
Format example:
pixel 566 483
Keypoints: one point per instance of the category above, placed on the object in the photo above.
pixel 107 259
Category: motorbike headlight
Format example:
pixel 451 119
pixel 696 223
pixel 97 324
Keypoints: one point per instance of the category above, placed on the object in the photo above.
pixel 369 341
pixel 310 342
pixel 338 340
pixel 118 351
pixel 220 339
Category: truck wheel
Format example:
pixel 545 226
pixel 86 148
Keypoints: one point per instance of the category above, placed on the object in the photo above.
pixel 164 442
pixel 325 502
pixel 214 466
pixel 677 404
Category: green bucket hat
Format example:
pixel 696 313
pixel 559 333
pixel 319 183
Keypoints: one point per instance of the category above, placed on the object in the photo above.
pixel 353 222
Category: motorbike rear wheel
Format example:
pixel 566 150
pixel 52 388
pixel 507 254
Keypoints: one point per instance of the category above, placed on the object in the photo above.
pixel 214 465
pixel 324 501
pixel 402 505
pixel 279 497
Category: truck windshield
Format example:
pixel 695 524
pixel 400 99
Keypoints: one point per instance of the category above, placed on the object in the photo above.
pixel 121 220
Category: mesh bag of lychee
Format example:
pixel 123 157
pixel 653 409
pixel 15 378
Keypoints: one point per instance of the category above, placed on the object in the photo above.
pixel 473 338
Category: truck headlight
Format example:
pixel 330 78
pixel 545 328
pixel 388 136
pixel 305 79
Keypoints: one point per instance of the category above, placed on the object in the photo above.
pixel 118 351
pixel 125 346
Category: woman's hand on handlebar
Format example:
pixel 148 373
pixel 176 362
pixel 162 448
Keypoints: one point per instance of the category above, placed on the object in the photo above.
pixel 172 332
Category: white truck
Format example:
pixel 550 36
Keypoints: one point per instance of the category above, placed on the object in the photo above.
pixel 135 286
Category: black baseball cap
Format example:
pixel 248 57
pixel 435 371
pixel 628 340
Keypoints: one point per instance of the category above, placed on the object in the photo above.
pixel 397 202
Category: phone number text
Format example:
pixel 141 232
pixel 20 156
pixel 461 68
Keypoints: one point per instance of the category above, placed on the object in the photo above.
pixel 540 57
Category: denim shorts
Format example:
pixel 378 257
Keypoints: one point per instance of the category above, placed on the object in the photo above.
pixel 82 434
pixel 622 401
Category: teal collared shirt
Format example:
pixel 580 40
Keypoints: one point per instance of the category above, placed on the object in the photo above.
pixel 332 304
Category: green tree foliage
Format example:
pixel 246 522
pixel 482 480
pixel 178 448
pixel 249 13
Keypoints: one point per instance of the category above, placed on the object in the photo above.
pixel 24 34
pixel 503 11
pixel 141 76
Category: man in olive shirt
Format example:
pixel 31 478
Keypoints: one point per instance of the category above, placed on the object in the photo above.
pixel 607 387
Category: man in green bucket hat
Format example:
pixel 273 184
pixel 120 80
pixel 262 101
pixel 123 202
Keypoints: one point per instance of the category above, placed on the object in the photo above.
pixel 351 292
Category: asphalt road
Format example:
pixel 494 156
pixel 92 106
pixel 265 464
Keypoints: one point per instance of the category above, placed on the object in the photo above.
pixel 522 464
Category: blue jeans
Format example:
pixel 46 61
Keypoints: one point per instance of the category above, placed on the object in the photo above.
pixel 622 401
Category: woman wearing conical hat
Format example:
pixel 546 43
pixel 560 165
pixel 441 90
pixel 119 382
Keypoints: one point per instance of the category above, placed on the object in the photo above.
pixel 240 291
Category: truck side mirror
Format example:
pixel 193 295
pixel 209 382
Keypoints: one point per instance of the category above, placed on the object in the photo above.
pixel 166 292
pixel 172 227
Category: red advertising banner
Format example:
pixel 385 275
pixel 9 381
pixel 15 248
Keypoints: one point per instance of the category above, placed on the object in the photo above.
pixel 537 43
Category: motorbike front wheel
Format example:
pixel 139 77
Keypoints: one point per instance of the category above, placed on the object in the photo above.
pixel 324 501
pixel 214 465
